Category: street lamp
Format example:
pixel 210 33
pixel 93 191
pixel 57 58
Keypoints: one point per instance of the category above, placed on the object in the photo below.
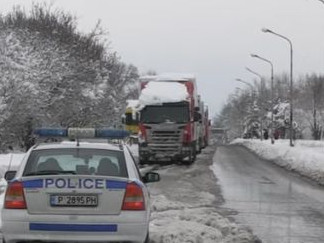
pixel 261 93
pixel 242 81
pixel 266 60
pixel 291 80
pixel 255 73
pixel 247 83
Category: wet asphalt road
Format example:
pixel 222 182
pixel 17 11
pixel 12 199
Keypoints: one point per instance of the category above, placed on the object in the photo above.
pixel 279 206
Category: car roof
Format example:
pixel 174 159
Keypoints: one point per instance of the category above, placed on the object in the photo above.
pixel 68 144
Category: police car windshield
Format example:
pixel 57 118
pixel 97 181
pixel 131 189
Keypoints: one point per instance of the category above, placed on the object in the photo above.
pixel 77 161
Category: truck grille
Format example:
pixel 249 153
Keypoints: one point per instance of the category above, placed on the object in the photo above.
pixel 165 141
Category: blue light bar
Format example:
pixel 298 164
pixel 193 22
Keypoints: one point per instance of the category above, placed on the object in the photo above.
pixel 111 133
pixel 51 132
pixel 82 133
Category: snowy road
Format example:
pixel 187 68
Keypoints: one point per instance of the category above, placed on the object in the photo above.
pixel 277 205
pixel 185 206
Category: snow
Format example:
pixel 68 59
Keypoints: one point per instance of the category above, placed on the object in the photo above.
pixel 132 103
pixel 306 157
pixel 156 93
pixel 169 77
pixel 175 77
pixel 10 161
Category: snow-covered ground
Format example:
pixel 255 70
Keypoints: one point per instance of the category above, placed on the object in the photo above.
pixel 306 157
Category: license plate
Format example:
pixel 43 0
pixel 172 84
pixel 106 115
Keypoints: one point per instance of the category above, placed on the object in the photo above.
pixel 74 200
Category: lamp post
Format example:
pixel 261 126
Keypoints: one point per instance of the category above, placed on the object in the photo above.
pixel 242 81
pixel 255 73
pixel 261 93
pixel 271 126
pixel 248 69
pixel 291 81
pixel 251 71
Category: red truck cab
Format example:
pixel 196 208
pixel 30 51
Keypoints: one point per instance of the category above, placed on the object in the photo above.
pixel 168 119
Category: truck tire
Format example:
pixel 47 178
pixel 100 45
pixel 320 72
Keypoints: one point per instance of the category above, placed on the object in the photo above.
pixel 192 155
pixel 200 146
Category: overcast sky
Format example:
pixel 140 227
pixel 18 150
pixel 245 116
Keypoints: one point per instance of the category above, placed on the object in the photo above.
pixel 212 39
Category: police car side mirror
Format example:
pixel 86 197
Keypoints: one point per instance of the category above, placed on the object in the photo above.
pixel 10 174
pixel 151 177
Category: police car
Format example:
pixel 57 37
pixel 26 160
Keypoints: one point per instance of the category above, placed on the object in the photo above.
pixel 77 192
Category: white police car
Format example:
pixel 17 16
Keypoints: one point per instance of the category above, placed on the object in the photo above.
pixel 77 192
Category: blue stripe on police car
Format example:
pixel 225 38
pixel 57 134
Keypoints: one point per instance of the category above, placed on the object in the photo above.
pixel 74 227
pixel 75 183
pixel 33 183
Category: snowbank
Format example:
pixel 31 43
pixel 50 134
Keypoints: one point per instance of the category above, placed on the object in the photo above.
pixel 173 221
pixel 305 158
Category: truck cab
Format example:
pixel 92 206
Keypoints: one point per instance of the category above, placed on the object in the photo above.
pixel 168 120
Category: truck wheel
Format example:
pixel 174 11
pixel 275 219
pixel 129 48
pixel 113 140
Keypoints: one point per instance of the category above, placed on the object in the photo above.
pixel 192 155
pixel 200 146
pixel 194 152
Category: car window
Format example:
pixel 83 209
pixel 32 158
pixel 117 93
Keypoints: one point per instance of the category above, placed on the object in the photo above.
pixel 76 161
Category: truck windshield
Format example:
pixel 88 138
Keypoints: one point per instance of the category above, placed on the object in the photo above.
pixel 165 113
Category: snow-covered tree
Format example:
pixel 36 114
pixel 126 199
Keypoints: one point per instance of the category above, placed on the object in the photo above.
pixel 53 75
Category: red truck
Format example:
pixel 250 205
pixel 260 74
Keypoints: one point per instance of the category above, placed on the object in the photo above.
pixel 169 117
pixel 203 125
